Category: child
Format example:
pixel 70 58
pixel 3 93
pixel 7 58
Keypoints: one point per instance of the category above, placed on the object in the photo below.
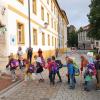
pixel 57 66
pixel 28 71
pixel 13 64
pixel 71 73
pixel 49 66
pixel 39 67
pixel 89 72
pixel 53 70
pixel 84 63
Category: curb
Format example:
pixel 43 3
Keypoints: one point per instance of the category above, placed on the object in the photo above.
pixel 10 87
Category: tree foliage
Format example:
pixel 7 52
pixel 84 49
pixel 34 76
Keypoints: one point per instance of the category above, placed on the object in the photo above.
pixel 94 19
pixel 73 39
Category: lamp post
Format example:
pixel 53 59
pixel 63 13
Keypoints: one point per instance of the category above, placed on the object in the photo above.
pixel 29 23
pixel 2 26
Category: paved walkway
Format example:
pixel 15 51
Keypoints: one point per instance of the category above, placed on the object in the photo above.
pixel 44 91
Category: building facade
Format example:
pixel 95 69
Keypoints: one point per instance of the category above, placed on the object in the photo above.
pixel 48 26
pixel 84 42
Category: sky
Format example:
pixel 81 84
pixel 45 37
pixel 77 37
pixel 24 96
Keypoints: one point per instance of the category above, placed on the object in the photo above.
pixel 76 11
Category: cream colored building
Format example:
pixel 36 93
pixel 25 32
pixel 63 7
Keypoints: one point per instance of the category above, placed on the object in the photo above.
pixel 16 26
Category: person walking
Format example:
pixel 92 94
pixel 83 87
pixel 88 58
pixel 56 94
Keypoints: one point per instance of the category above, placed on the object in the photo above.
pixel 56 52
pixel 97 66
pixel 12 64
pixel 71 73
pixel 41 56
pixel 40 52
pixel 19 53
pixel 84 63
pixel 29 54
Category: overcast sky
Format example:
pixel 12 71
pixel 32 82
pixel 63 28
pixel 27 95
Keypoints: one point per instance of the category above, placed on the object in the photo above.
pixel 76 11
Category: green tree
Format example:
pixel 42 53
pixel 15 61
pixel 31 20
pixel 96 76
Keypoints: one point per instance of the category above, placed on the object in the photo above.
pixel 94 19
pixel 73 39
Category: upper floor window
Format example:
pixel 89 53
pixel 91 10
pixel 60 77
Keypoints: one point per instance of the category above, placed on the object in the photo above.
pixel 55 25
pixel 97 43
pixel 34 36
pixel 42 13
pixel 54 9
pixel 55 42
pixel 52 22
pixel 20 33
pixel 48 2
pixel 52 41
pixel 48 18
pixel 21 1
pixel 34 6
pixel 51 5
pixel 48 40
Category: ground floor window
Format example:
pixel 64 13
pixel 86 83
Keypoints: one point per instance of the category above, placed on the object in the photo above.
pixel 35 37
pixel 20 33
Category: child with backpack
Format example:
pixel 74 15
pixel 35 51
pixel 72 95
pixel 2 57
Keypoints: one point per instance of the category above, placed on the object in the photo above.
pixel 71 73
pixel 89 73
pixel 22 65
pixel 38 64
pixel 13 64
pixel 29 72
pixel 53 70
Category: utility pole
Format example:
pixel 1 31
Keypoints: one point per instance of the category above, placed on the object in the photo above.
pixel 29 23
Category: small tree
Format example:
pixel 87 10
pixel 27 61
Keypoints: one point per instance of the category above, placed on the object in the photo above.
pixel 73 39
pixel 94 19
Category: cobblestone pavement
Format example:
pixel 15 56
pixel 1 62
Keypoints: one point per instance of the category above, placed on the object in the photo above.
pixel 44 91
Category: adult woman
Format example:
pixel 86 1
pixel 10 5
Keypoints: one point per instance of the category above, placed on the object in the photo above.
pixel 84 63
pixel 19 53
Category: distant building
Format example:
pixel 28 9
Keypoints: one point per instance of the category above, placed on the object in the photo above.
pixel 84 42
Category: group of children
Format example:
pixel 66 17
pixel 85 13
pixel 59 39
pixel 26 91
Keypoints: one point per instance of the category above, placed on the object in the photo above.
pixel 90 68
pixel 26 69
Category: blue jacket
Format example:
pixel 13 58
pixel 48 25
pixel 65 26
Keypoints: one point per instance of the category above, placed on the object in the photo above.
pixel 71 69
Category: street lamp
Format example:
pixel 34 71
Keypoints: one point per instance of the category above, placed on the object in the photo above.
pixel 29 23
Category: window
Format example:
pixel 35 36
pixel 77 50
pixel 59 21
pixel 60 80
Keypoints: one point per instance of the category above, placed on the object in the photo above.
pixel 42 13
pixel 48 18
pixel 51 5
pixel 54 9
pixel 48 2
pixel 55 42
pixel 34 37
pixel 34 6
pixel 52 41
pixel 48 40
pixel 20 33
pixel 43 39
pixel 97 43
pixel 55 25
pixel 21 1
pixel 52 22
